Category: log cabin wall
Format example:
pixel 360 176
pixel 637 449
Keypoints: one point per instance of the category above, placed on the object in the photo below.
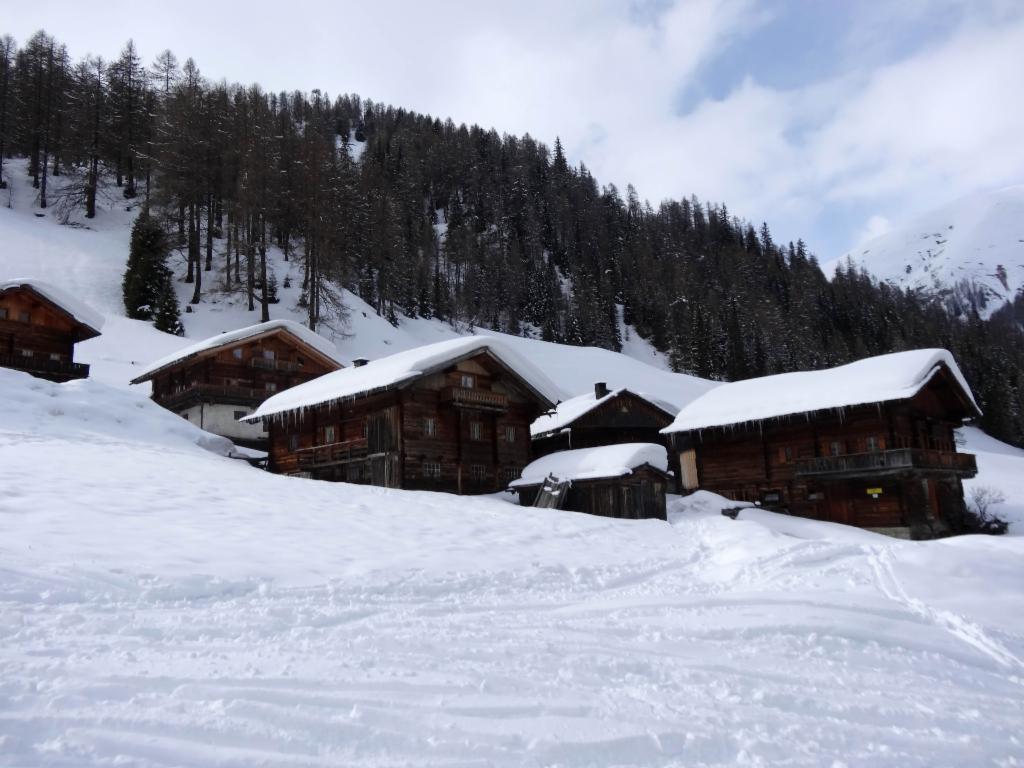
pixel 38 337
pixel 891 466
pixel 442 432
pixel 625 418
pixel 637 496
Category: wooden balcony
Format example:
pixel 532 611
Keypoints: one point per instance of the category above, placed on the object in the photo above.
pixel 332 454
pixel 479 399
pixel 44 367
pixel 211 393
pixel 893 462
pixel 285 366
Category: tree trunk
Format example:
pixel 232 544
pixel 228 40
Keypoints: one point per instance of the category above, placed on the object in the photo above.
pixel 265 293
pixel 191 276
pixel 227 255
pixel 209 233
pixel 194 248
pixel 250 266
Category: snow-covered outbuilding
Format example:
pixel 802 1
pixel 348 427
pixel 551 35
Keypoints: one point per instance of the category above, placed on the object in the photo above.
pixel 39 327
pixel 215 382
pixel 870 443
pixel 601 417
pixel 452 416
pixel 627 480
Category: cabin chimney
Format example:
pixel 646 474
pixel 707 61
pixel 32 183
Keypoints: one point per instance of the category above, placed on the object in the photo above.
pixel 600 390
pixel 359 362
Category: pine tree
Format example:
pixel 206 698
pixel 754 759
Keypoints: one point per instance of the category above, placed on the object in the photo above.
pixel 148 286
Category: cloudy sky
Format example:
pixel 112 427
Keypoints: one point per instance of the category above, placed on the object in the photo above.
pixel 830 119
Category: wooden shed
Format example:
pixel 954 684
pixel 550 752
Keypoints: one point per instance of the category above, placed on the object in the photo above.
pixel 452 416
pixel 39 327
pixel 626 481
pixel 219 380
pixel 601 417
pixel 870 444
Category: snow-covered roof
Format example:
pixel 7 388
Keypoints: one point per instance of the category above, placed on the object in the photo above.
pixel 308 337
pixel 594 463
pixel 394 370
pixel 569 410
pixel 896 376
pixel 79 310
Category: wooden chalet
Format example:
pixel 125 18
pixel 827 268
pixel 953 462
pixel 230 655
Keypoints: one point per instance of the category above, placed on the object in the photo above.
pixel 601 417
pixel 625 480
pixel 870 444
pixel 453 416
pixel 216 382
pixel 39 327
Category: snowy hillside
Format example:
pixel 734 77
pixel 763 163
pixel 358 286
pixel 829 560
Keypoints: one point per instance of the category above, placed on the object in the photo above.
pixel 163 605
pixel 88 259
pixel 971 250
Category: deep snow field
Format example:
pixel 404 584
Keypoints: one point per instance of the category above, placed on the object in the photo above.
pixel 162 604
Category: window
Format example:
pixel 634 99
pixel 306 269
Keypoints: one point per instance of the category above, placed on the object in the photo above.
pixel 432 469
pixel 429 426
pixel 510 473
pixel 237 353
pixel 786 454
pixel 510 433
pixel 55 356
pixel 268 354
pixel 24 317
pixel 329 435
pixel 468 381
pixel 3 313
pixel 835 448
pixel 475 430
pixel 26 353
pixel 366 428
pixel 270 386
pixel 240 415
pixel 293 442
pixel 477 472
pixel 872 443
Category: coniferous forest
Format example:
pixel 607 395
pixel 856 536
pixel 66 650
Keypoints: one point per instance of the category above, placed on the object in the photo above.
pixel 454 222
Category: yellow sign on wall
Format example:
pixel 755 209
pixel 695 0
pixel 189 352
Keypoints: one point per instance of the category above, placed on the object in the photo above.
pixel 874 491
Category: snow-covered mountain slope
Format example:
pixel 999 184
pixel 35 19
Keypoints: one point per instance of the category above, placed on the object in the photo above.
pixel 162 605
pixel 970 251
pixel 87 258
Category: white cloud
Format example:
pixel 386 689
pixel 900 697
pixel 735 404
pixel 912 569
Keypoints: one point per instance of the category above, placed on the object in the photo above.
pixel 892 135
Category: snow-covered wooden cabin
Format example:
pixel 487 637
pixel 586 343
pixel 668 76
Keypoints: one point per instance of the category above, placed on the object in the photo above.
pixel 216 382
pixel 628 480
pixel 870 443
pixel 601 417
pixel 452 416
pixel 39 327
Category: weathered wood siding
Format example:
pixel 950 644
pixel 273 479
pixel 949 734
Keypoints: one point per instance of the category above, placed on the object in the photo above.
pixel 637 496
pixel 625 418
pixel 31 327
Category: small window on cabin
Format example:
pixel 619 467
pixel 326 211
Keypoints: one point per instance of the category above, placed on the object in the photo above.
pixel 268 354
pixel 55 356
pixel 510 433
pixel 468 381
pixel 511 472
pixel 240 415
pixel 835 448
pixel 237 353
pixel 24 317
pixel 476 430
pixel 786 454
pixel 26 353
pixel 3 313
pixel 300 361
pixel 872 443
pixel 432 469
pixel 429 426
pixel 270 386
pixel 366 428
pixel 293 442
pixel 329 435
pixel 478 472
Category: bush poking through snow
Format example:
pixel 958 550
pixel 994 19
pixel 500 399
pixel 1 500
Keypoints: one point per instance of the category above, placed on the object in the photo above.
pixel 980 499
